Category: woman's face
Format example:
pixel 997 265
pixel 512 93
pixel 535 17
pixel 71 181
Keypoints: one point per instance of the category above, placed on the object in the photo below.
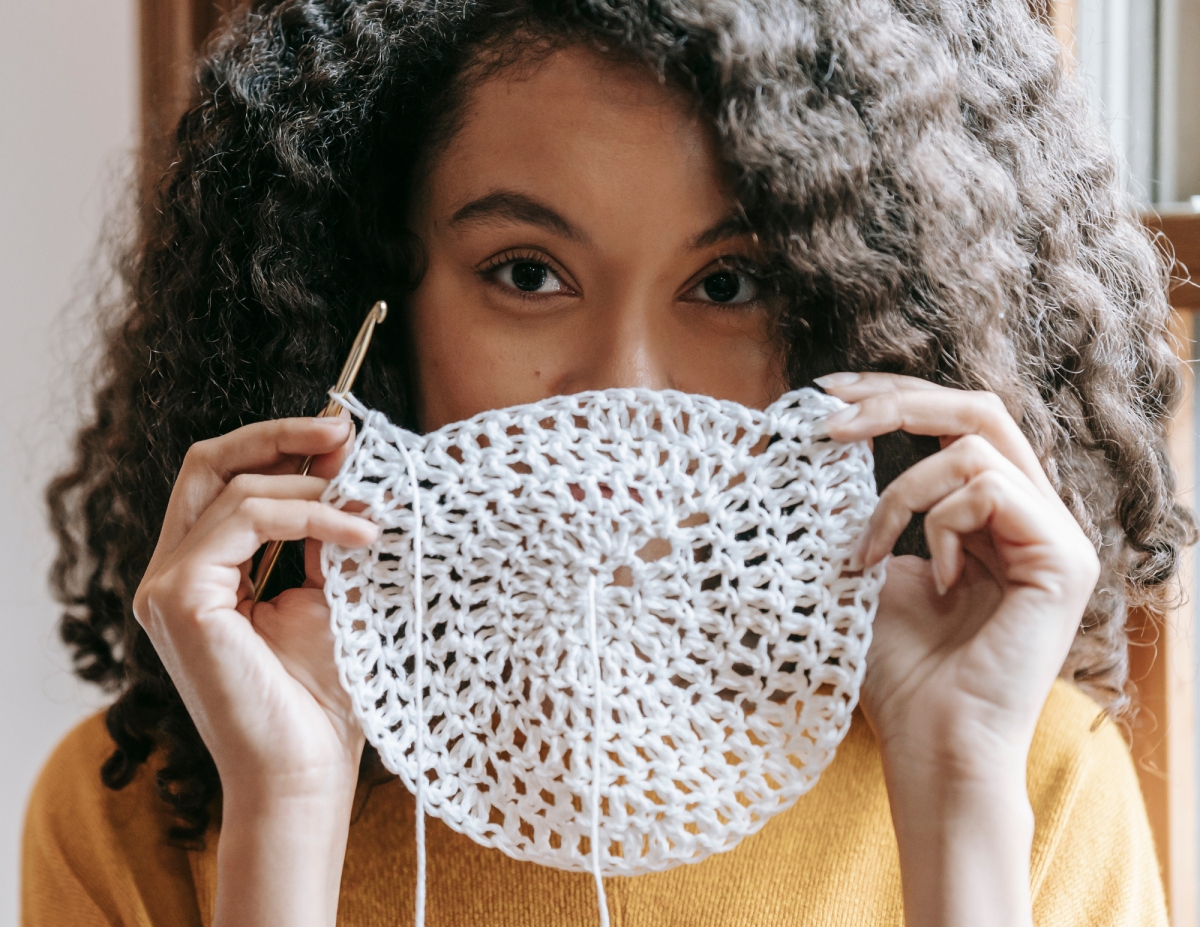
pixel 581 234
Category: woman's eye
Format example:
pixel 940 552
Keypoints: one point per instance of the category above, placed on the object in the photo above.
pixel 530 277
pixel 727 287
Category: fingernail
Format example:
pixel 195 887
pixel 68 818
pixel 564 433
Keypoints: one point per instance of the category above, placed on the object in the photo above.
pixel 840 417
pixel 937 578
pixel 837 379
pixel 332 422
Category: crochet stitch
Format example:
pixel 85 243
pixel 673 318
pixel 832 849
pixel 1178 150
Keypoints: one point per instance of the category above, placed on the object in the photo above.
pixel 706 545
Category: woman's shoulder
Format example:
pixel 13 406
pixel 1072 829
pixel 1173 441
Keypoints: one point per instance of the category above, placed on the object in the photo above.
pixel 71 774
pixel 71 804
pixel 94 854
pixel 1074 729
pixel 1075 743
pixel 1093 851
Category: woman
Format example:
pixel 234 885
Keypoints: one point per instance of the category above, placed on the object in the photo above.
pixel 723 198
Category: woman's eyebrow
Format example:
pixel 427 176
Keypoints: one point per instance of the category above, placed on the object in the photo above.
pixel 507 205
pixel 732 226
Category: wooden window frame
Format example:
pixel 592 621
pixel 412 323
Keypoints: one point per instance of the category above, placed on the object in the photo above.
pixel 170 33
pixel 1162 655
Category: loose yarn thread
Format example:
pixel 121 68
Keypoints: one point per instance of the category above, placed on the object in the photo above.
pixel 419 622
pixel 597 735
pixel 734 627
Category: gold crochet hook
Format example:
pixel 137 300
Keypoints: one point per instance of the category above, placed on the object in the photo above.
pixel 349 371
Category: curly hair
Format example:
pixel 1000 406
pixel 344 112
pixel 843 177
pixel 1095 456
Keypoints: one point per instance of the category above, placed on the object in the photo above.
pixel 938 201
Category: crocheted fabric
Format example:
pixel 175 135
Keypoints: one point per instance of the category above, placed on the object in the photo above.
pixel 639 635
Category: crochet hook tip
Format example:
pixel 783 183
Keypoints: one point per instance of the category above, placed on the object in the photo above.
pixel 379 312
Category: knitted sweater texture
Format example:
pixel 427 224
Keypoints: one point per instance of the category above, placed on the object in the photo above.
pixel 97 857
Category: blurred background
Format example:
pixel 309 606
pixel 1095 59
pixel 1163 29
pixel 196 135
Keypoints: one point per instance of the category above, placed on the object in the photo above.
pixel 69 127
pixel 1140 70
pixel 89 91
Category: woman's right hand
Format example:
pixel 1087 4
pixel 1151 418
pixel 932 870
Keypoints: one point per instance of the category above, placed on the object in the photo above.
pixel 260 682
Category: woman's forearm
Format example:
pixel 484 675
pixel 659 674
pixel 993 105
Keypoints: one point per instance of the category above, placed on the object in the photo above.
pixel 964 849
pixel 279 860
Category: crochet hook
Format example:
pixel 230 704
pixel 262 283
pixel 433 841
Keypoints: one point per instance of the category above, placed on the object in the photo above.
pixel 349 371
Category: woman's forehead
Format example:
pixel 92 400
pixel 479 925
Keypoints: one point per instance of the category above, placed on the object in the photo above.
pixel 591 138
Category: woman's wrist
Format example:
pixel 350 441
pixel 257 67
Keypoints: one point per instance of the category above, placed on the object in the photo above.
pixel 964 842
pixel 280 857
pixel 323 770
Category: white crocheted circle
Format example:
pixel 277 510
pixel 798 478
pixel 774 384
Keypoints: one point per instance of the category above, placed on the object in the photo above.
pixel 731 632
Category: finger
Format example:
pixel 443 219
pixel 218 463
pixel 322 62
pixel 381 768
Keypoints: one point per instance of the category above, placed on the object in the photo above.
pixel 922 486
pixel 1032 566
pixel 979 545
pixel 852 387
pixel 1013 518
pixel 210 465
pixel 327 465
pixel 936 410
pixel 252 448
pixel 247 486
pixel 257 520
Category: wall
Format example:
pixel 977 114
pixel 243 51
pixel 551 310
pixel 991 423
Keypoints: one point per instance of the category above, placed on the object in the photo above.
pixel 68 86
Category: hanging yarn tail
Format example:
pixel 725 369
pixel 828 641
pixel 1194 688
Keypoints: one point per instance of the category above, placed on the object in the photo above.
pixel 419 661
pixel 597 711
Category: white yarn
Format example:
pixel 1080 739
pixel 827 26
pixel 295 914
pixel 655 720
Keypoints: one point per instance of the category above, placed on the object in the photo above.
pixel 671 562
pixel 419 678
pixel 597 737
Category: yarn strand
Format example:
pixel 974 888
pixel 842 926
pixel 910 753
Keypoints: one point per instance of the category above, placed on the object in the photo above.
pixel 598 709
pixel 419 678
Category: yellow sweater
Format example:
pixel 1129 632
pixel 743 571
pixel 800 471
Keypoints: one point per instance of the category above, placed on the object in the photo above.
pixel 92 856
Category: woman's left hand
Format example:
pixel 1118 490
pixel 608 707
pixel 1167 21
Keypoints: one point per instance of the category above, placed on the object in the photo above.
pixel 966 645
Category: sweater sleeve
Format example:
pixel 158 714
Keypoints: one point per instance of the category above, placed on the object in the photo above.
pixel 1094 860
pixel 92 856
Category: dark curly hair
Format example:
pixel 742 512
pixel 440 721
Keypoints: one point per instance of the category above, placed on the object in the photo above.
pixel 938 200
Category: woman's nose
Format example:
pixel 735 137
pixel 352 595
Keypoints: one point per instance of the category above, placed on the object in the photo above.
pixel 623 350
